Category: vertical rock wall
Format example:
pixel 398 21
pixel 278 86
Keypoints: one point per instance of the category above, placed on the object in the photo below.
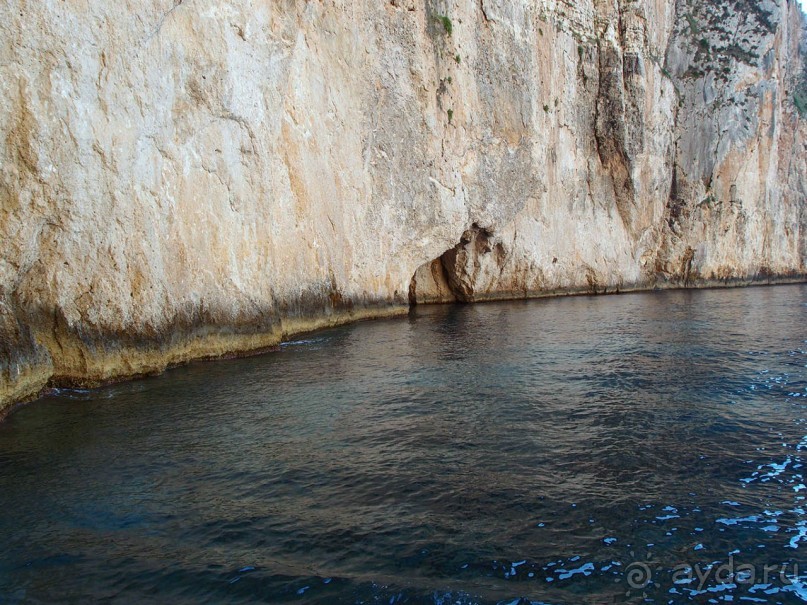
pixel 191 178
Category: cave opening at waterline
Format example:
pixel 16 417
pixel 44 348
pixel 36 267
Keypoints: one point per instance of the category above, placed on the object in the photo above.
pixel 461 274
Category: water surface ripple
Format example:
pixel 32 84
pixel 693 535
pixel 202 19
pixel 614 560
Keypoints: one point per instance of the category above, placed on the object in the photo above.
pixel 643 448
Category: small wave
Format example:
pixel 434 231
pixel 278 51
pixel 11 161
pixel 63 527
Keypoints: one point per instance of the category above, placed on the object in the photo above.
pixel 300 343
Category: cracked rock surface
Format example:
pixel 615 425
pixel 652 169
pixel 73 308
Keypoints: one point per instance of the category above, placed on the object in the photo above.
pixel 194 178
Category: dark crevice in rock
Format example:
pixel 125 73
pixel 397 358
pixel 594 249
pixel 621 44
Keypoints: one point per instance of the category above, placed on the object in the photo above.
pixel 610 128
pixel 686 266
pixel 457 274
pixel 676 204
pixel 484 12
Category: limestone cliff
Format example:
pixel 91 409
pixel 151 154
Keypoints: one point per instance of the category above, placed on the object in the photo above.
pixel 191 178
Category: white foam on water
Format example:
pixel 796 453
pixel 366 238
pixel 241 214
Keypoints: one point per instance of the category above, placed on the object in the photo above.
pixel 297 343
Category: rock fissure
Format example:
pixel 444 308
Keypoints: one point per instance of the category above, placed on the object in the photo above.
pixel 156 31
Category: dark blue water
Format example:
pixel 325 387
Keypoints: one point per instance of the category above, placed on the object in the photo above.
pixel 628 449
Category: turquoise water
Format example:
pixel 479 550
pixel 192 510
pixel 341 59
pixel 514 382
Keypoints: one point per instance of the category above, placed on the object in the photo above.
pixel 644 448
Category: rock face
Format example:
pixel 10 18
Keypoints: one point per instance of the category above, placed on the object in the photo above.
pixel 192 178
